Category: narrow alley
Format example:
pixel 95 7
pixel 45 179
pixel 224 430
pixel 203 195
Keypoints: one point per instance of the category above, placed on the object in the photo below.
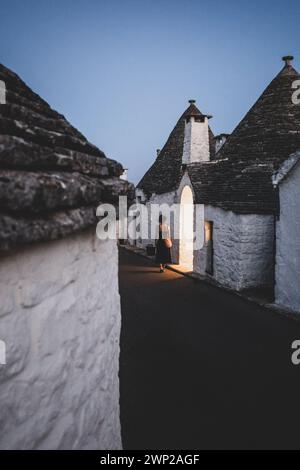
pixel 202 368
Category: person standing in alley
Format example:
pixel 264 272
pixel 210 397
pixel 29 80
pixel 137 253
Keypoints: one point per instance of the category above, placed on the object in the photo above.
pixel 163 244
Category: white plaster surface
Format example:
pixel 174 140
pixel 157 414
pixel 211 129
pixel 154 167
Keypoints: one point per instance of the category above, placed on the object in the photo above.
pixel 196 141
pixel 2 92
pixel 243 245
pixel 243 249
pixel 60 320
pixel 287 286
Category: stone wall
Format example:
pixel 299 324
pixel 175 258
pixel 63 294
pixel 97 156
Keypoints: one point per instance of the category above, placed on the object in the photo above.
pixel 287 286
pixel 243 244
pixel 243 249
pixel 60 320
pixel 196 141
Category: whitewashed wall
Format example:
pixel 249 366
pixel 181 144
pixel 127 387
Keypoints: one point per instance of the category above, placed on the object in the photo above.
pixel 243 244
pixel 170 198
pixel 196 141
pixel 243 249
pixel 60 319
pixel 287 286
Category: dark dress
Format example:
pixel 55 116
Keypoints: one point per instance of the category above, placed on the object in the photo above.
pixel 163 253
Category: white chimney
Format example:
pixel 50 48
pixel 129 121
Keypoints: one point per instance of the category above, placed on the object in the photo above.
pixel 2 92
pixel 196 139
pixel 124 175
pixel 220 141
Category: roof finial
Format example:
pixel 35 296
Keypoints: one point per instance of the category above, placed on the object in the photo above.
pixel 288 59
pixel 192 101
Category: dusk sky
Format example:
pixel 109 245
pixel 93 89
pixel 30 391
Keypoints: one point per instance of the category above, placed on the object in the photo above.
pixel 123 71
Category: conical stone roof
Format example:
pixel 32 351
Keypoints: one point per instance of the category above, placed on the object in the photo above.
pixel 271 128
pixel 166 172
pixel 51 178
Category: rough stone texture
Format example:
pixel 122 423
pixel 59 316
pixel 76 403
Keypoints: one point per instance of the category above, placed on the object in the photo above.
pixel 220 141
pixel 243 249
pixel 287 288
pixel 2 92
pixel 239 177
pixel 60 319
pixel 196 141
pixel 26 230
pixel 243 244
pixel 16 152
pixel 241 187
pixel 48 170
pixel 165 174
pixel 271 128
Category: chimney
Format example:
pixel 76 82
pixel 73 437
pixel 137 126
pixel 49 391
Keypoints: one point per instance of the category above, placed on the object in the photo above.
pixel 288 59
pixel 220 141
pixel 2 92
pixel 157 152
pixel 196 137
pixel 124 175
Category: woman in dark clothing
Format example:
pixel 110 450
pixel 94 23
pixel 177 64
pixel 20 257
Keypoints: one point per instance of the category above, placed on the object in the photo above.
pixel 163 245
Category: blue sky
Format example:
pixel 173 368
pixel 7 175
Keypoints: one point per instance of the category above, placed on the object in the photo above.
pixel 122 71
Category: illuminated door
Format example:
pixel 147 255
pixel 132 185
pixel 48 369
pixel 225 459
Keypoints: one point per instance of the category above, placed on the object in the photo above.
pixel 209 245
pixel 186 250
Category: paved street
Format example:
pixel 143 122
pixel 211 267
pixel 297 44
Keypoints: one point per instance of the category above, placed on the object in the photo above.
pixel 202 368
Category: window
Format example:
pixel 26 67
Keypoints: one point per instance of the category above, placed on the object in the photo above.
pixel 208 231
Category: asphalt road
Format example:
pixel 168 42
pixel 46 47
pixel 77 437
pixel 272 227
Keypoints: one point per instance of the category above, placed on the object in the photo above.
pixel 201 368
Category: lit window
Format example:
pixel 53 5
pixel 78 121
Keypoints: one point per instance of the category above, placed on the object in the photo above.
pixel 208 231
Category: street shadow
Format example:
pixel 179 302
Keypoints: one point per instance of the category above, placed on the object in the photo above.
pixel 201 368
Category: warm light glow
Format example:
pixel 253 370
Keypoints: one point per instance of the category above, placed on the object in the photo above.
pixel 208 231
pixel 186 228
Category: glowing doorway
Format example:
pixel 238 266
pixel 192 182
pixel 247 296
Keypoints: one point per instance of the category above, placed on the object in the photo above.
pixel 186 254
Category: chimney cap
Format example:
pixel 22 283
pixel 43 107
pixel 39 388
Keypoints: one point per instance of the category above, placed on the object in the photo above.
pixel 287 59
pixel 192 101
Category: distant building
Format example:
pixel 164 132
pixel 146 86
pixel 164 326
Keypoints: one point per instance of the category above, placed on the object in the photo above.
pixel 232 176
pixel 60 305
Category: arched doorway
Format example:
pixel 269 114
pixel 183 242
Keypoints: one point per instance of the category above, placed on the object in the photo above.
pixel 186 254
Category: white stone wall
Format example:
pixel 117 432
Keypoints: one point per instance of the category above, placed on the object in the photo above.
pixel 287 285
pixel 243 249
pixel 2 92
pixel 170 198
pixel 243 245
pixel 60 319
pixel 196 141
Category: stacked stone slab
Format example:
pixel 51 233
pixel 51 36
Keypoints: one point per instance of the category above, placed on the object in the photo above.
pixel 60 306
pixel 51 178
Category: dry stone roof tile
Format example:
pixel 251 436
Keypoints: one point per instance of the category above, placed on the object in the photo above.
pixel 51 178
pixel 166 172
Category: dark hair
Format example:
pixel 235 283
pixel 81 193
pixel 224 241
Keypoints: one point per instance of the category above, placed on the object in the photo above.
pixel 162 218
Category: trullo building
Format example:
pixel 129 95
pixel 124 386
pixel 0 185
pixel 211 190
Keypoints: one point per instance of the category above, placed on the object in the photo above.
pixel 249 185
pixel 60 306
